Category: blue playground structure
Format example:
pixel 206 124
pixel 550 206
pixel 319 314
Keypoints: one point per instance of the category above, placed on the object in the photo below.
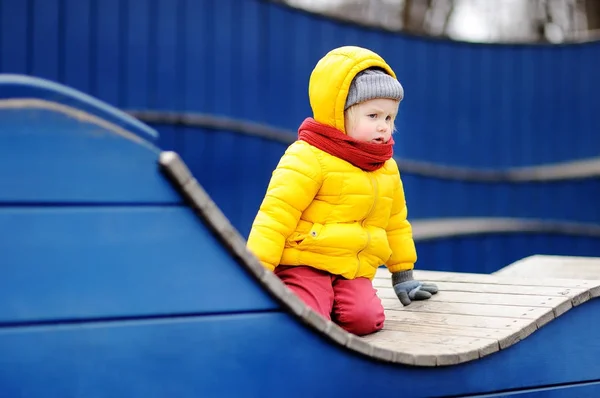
pixel 120 277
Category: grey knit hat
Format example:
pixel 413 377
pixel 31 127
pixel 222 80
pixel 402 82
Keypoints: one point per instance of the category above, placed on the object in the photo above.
pixel 373 83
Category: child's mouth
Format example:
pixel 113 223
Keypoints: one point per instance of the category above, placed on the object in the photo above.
pixel 378 141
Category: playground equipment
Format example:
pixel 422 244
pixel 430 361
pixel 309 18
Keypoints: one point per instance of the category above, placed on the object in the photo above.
pixel 119 276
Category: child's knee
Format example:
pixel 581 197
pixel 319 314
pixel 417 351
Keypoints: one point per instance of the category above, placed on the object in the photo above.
pixel 362 319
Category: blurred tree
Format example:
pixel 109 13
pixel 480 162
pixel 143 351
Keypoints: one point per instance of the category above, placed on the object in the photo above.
pixel 496 21
pixel 429 17
pixel 592 12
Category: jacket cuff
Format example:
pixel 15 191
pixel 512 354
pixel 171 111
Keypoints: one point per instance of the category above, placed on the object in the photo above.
pixel 402 276
pixel 400 267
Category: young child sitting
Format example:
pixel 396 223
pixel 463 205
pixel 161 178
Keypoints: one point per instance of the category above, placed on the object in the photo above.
pixel 334 210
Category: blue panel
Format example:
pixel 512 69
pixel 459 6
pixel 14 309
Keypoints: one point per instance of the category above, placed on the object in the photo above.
pixel 78 58
pixel 432 198
pixel 167 57
pixel 168 137
pixel 15 51
pixel 46 48
pixel 241 196
pixel 197 68
pixel 488 253
pixel 278 111
pixel 585 390
pixel 60 159
pixel 225 46
pixel 107 262
pixel 197 153
pixel 266 355
pixel 109 50
pixel 138 59
pixel 252 48
pixel 261 155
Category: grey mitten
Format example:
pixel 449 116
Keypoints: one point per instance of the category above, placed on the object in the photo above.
pixel 408 289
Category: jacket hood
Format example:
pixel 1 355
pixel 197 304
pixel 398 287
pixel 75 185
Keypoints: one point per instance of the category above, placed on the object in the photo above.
pixel 331 78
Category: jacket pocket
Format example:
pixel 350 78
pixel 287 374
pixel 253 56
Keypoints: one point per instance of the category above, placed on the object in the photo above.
pixel 298 239
pixel 295 239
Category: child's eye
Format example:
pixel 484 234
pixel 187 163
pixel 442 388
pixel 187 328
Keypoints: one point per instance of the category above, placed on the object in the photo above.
pixel 388 118
pixel 372 115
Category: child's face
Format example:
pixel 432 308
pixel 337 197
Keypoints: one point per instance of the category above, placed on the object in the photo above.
pixel 372 121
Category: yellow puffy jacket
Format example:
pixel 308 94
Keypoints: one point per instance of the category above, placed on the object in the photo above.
pixel 324 212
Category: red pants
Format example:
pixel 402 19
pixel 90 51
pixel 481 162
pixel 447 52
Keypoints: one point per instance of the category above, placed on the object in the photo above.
pixel 351 303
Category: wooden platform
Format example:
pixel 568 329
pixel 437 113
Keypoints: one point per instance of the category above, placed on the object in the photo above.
pixel 569 267
pixel 473 315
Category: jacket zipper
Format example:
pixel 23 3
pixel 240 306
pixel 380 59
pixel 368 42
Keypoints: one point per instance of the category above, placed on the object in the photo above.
pixel 375 194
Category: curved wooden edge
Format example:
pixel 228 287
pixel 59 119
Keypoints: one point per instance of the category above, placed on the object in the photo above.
pixel 77 114
pixel 15 86
pixel 205 208
pixel 570 170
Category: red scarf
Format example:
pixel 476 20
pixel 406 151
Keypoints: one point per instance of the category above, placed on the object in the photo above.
pixel 364 155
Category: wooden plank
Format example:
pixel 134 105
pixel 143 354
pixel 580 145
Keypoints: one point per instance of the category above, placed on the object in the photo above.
pixel 510 331
pixel 469 309
pixel 588 272
pixel 491 288
pixel 392 335
pixel 435 276
pixel 499 280
pixel 465 331
pixel 489 298
pixel 476 321
pixel 554 267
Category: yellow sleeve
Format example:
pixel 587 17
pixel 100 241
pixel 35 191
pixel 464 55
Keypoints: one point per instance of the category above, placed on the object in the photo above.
pixel 293 186
pixel 399 233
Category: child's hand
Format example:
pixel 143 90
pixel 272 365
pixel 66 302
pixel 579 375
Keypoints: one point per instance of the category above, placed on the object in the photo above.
pixel 408 289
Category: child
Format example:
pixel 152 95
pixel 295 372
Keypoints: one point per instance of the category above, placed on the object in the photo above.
pixel 334 210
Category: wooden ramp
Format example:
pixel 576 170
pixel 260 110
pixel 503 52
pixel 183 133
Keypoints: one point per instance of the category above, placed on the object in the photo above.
pixel 473 315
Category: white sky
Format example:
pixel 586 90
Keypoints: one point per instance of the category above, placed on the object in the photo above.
pixel 482 20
